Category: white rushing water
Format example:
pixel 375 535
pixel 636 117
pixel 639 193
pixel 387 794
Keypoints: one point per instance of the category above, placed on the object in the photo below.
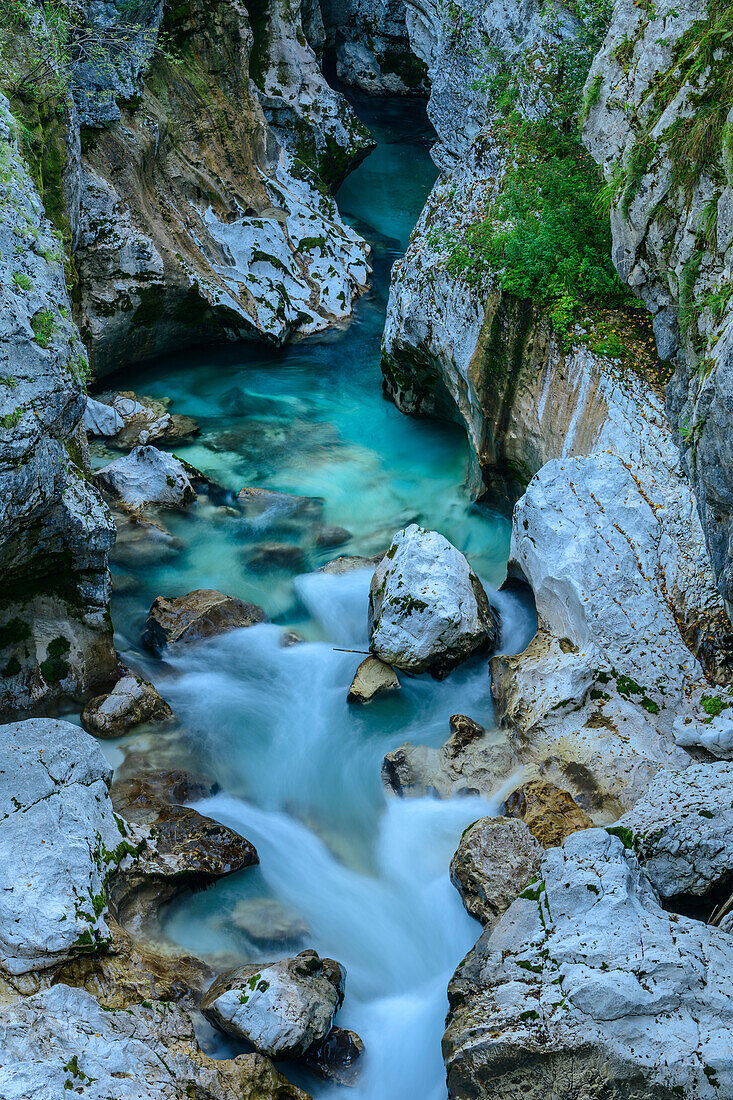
pixel 368 874
pixel 298 768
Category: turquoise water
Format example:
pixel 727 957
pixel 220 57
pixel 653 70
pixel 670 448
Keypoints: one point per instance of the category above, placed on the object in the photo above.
pixel 298 768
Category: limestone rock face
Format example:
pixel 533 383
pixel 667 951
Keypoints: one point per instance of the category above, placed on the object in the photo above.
pixel 101 419
pixel 494 861
pixel 199 614
pixel 314 122
pixel 588 986
pixel 427 608
pixel 679 269
pixel 373 677
pixel 60 841
pixel 282 1008
pixel 62 1040
pixel 680 829
pixel 147 476
pixel 242 240
pixel 372 46
pixel 131 702
pixel 55 530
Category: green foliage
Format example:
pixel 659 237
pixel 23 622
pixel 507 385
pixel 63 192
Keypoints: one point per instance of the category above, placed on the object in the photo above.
pixel 546 233
pixel 713 705
pixel 22 281
pixel 43 324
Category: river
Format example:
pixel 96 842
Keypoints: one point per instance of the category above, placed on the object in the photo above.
pixel 298 768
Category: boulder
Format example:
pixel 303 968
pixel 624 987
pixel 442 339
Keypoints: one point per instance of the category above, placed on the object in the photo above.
pixel 350 563
pixel 183 849
pixel 202 613
pixel 549 812
pixel 275 555
pixel 146 420
pixel 336 1057
pixel 373 677
pixel 494 861
pixel 60 841
pixel 147 476
pixel 256 503
pixel 282 1008
pixel 681 829
pixel 588 988
pixel 63 1040
pixel 266 920
pixel 427 608
pixel 326 536
pixel 101 419
pixel 131 702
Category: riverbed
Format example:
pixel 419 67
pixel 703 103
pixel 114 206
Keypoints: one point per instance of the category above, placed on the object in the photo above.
pixel 360 877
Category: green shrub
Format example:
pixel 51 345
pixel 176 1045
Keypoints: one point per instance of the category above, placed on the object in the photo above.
pixel 22 281
pixel 44 326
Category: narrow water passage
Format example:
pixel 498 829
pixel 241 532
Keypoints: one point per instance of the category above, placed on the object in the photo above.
pixel 359 877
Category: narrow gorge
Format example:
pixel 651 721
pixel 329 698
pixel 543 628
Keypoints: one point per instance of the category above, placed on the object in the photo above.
pixel 366 512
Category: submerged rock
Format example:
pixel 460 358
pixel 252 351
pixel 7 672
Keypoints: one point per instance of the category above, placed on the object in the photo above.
pixel 63 1040
pixel 550 813
pixel 350 563
pixel 275 555
pixel 282 1008
pixel 60 841
pixel 328 535
pixel 202 613
pixel 427 608
pixel 258 502
pixel 494 861
pixel 266 920
pixel 147 476
pixel 373 677
pixel 131 702
pixel 588 987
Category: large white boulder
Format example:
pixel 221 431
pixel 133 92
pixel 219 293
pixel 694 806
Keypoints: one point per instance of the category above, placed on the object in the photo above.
pixel 282 1008
pixel 427 608
pixel 59 843
pixel 588 987
pixel 102 419
pixel 147 476
pixel 62 1042
pixel 682 829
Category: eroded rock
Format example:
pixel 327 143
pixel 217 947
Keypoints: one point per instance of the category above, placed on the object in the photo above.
pixel 494 861
pixel 202 613
pixel 60 842
pixel 427 608
pixel 282 1008
pixel 63 1040
pixel 588 986
pixel 372 678
pixel 147 476
pixel 131 702
pixel 549 812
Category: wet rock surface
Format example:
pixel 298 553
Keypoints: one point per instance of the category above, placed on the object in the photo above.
pixel 494 861
pixel 282 1008
pixel 427 608
pixel 131 702
pixel 203 613
pixel 372 678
